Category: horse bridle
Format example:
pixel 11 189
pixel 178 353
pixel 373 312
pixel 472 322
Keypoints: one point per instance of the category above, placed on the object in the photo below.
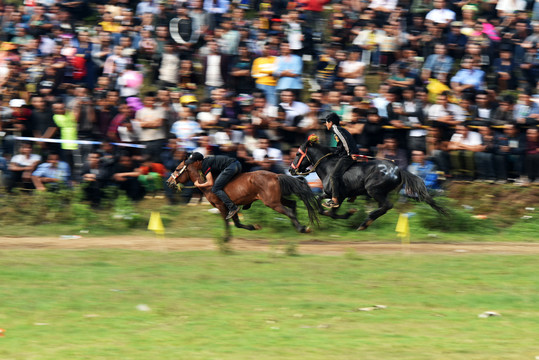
pixel 304 155
pixel 176 174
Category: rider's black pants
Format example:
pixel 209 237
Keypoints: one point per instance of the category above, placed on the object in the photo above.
pixel 336 177
pixel 224 178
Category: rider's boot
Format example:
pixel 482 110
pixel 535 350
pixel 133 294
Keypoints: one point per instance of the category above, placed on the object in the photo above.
pixel 233 209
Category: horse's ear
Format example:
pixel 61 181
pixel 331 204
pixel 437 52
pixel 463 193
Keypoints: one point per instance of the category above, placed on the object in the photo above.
pixel 313 139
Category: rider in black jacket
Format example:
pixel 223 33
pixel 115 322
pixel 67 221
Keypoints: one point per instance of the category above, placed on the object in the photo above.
pixel 222 169
pixel 345 151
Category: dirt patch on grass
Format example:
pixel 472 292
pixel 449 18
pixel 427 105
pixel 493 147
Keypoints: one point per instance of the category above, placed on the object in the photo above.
pixel 310 247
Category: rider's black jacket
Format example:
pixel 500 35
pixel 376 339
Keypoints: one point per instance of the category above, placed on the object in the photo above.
pixel 346 145
pixel 216 164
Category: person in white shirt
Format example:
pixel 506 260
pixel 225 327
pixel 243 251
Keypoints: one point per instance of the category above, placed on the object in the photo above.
pixel 352 69
pixel 444 115
pixel 170 66
pixel 214 65
pixel 264 153
pixel 186 130
pixel 462 147
pixel 380 102
pixel 151 121
pixel 505 7
pixel 22 165
pixel 293 30
pixel 146 6
pixel 292 107
pixel 205 118
pixel 440 15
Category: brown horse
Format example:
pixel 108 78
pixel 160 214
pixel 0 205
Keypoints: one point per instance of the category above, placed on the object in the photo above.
pixel 246 188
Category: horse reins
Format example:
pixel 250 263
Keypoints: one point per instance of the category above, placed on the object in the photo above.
pixel 177 174
pixel 313 169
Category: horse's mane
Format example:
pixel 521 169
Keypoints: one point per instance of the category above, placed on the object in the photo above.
pixel 322 148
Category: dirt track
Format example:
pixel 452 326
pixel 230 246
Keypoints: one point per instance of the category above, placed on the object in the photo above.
pixel 318 247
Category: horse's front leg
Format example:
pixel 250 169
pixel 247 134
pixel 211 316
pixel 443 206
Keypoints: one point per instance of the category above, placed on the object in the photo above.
pixel 224 211
pixel 332 213
pixel 280 208
pixel 249 227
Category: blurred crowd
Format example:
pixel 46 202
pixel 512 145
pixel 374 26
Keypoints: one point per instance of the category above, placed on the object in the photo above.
pixel 118 92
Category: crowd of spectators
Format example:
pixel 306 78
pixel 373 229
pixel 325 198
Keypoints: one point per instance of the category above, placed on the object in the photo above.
pixel 117 92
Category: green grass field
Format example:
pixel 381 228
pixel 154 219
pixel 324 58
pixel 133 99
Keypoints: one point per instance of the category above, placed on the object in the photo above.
pixel 82 305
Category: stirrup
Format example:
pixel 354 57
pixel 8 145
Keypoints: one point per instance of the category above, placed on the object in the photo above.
pixel 231 213
pixel 330 204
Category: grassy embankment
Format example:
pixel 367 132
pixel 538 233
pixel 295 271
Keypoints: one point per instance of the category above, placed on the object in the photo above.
pixel 512 214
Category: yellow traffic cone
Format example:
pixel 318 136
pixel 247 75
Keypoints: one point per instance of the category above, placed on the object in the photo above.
pixel 403 229
pixel 155 224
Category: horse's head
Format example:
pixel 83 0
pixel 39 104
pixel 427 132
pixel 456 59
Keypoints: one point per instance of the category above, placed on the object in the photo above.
pixel 179 177
pixel 301 162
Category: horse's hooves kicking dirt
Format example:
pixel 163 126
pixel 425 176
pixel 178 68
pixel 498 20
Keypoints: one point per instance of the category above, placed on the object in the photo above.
pixel 306 230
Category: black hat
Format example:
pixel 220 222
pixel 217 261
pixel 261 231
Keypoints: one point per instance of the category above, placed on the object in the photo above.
pixel 332 118
pixel 196 156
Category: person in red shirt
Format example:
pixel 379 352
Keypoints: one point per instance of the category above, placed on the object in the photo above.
pixel 313 12
pixel 151 174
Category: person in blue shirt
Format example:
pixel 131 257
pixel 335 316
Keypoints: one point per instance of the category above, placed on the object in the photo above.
pixel 437 65
pixel 288 69
pixel 469 77
pixel 54 172
pixel 425 169
pixel 3 171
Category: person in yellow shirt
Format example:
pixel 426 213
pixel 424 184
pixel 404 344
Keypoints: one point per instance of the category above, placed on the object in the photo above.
pixel 108 24
pixel 262 72
pixel 67 123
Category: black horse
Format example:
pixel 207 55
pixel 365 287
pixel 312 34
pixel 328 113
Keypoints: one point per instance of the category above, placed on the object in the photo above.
pixel 376 178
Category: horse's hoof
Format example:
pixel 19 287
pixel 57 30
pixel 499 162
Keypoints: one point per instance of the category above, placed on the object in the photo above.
pixel 257 227
pixel 306 230
pixel 365 225
pixel 352 211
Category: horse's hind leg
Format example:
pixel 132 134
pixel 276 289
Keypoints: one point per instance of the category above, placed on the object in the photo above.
pixel 384 206
pixel 280 208
pixel 289 203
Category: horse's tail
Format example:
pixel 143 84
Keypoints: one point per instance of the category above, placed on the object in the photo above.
pixel 414 185
pixel 299 187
